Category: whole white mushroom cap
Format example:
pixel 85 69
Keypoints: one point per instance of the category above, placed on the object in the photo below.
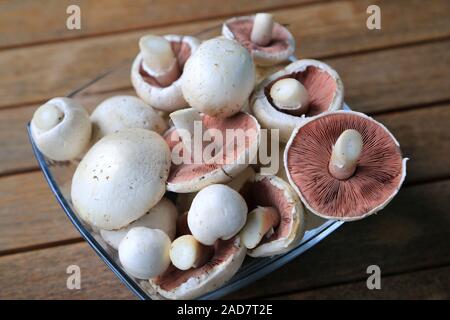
pixel 218 78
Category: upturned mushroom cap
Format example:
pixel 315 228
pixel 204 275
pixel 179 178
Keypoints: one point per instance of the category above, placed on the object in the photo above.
pixel 279 49
pixel 120 178
pixel 124 112
pixel 218 78
pixel 191 177
pixel 379 174
pixel 144 252
pixel 168 98
pixel 279 195
pixel 163 216
pixel 325 91
pixel 61 129
pixel 217 212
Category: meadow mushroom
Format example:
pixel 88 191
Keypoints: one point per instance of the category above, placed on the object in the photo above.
pixel 124 112
pixel 157 71
pixel 289 97
pixel 276 222
pixel 220 164
pixel 163 216
pixel 344 165
pixel 217 212
pixel 218 78
pixel 120 178
pixel 61 129
pixel 186 253
pixel 144 252
pixel 269 42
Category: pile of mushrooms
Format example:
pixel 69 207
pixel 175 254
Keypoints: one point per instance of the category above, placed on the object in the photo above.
pixel 185 227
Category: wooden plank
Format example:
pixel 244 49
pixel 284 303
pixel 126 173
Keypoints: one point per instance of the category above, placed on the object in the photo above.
pixel 410 234
pixel 421 285
pixel 30 21
pixel 324 29
pixel 42 274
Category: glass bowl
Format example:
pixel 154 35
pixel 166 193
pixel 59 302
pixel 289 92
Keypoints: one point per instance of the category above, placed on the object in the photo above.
pixel 59 176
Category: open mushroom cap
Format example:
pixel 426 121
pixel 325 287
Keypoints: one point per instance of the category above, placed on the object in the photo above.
pixel 168 98
pixel 124 112
pixel 281 46
pixel 163 216
pixel 324 87
pixel 380 170
pixel 191 177
pixel 120 178
pixel 61 129
pixel 278 194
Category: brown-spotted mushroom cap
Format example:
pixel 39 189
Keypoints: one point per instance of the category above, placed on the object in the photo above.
pixel 380 168
pixel 277 49
pixel 275 193
pixel 324 88
pixel 191 177
pixel 166 97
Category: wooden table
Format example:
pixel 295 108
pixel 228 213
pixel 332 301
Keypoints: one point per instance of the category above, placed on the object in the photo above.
pixel 399 74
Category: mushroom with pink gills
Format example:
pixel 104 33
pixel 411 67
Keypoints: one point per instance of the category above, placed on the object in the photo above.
pixel 61 129
pixel 124 112
pixel 208 250
pixel 121 178
pixel 289 97
pixel 158 70
pixel 344 165
pixel 269 42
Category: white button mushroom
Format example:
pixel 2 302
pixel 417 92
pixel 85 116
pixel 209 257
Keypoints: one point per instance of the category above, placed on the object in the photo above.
pixel 61 129
pixel 217 212
pixel 144 252
pixel 163 216
pixel 218 78
pixel 120 178
pixel 124 112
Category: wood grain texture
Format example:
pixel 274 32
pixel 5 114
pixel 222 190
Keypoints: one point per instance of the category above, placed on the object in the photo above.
pixel 42 274
pixel 427 284
pixel 323 29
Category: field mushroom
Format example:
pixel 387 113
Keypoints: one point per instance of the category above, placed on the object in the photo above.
pixel 124 112
pixel 157 71
pixel 269 42
pixel 276 222
pixel 120 178
pixel 218 78
pixel 61 129
pixel 144 252
pixel 186 253
pixel 344 165
pixel 289 97
pixel 226 160
pixel 162 216
pixel 217 212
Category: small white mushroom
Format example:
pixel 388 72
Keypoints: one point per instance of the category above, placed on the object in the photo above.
pixel 218 78
pixel 186 253
pixel 217 212
pixel 61 129
pixel 124 112
pixel 290 95
pixel 345 154
pixel 260 222
pixel 163 216
pixel 262 29
pixel 144 252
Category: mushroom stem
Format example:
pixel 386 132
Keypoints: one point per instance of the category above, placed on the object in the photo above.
pixel 189 125
pixel 260 221
pixel 47 116
pixel 159 60
pixel 262 29
pixel 345 154
pixel 290 95
pixel 186 252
